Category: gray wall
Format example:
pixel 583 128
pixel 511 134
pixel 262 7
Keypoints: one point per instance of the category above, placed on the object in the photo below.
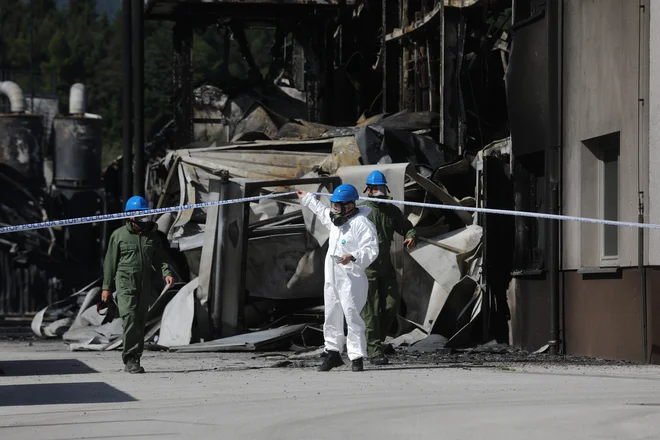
pixel 601 73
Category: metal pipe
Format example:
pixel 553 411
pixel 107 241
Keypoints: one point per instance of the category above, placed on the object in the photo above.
pixel 138 96
pixel 15 95
pixel 642 271
pixel 77 99
pixel 552 159
pixel 429 71
pixel 441 76
pixel 127 105
pixel 641 37
pixel 218 275
pixel 383 55
pixel 32 56
pixel 561 169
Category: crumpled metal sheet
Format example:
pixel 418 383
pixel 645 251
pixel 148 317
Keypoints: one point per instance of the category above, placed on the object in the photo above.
pixel 176 323
pixel 379 145
pixel 260 120
pixel 87 331
pixel 257 164
pixel 64 309
pixel 103 334
pixel 245 342
pixel 443 258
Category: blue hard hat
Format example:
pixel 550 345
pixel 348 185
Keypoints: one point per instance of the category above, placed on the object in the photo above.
pixel 136 203
pixel 344 193
pixel 376 178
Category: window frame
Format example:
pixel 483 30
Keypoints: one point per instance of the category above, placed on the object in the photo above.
pixel 608 260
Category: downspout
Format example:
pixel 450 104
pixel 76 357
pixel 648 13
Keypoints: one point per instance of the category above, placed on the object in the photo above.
pixel 640 186
pixel 15 95
pixel 218 261
pixel 552 163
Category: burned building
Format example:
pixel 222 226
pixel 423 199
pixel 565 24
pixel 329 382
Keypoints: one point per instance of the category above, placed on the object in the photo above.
pixel 350 83
pixel 49 169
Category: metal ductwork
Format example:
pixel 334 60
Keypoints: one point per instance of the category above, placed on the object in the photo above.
pixel 77 99
pixel 15 95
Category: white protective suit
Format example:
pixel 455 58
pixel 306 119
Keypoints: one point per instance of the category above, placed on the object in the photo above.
pixel 346 286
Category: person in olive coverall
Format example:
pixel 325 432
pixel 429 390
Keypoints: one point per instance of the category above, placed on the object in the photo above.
pixel 383 299
pixel 127 267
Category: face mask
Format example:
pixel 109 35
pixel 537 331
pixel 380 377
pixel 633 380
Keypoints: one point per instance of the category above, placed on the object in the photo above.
pixel 339 217
pixel 377 192
pixel 142 222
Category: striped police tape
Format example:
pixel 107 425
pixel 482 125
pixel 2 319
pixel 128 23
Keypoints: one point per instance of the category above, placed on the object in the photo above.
pixel 123 215
pixel 509 212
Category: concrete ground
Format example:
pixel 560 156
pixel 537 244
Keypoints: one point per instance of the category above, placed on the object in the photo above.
pixel 49 393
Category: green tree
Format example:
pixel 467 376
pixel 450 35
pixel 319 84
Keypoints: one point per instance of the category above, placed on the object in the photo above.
pixel 77 44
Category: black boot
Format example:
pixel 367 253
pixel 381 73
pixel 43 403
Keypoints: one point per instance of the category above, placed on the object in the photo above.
pixel 133 366
pixel 332 360
pixel 358 365
pixel 379 360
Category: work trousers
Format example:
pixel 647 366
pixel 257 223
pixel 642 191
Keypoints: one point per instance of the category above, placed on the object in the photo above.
pixel 133 305
pixel 381 309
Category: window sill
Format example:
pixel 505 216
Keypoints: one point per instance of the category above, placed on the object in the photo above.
pixel 600 273
pixel 597 270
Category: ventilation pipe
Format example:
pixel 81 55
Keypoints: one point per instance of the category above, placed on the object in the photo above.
pixel 77 99
pixel 15 95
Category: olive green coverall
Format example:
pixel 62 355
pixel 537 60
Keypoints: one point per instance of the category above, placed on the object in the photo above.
pixel 127 267
pixel 383 298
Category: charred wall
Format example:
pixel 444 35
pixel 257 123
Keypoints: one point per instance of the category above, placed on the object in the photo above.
pixel 527 89
pixel 528 300
pixel 451 61
pixel 498 232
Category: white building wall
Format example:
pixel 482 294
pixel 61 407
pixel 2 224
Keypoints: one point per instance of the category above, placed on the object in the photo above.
pixel 600 79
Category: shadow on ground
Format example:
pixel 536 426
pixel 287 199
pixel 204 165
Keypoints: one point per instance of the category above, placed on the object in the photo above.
pixel 61 394
pixel 44 367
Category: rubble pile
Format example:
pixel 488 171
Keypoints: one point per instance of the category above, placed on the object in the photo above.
pixel 272 260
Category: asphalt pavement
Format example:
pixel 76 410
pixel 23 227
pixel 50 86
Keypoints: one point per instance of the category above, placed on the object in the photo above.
pixel 47 392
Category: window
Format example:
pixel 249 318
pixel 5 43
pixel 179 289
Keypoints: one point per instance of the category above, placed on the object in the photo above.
pixel 529 195
pixel 608 149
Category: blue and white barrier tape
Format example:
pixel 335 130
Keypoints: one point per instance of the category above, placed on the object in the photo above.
pixel 123 215
pixel 509 212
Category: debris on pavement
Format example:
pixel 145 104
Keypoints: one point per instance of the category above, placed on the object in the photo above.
pixel 261 340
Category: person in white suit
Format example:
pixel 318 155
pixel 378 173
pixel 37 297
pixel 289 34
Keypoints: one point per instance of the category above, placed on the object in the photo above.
pixel 352 247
